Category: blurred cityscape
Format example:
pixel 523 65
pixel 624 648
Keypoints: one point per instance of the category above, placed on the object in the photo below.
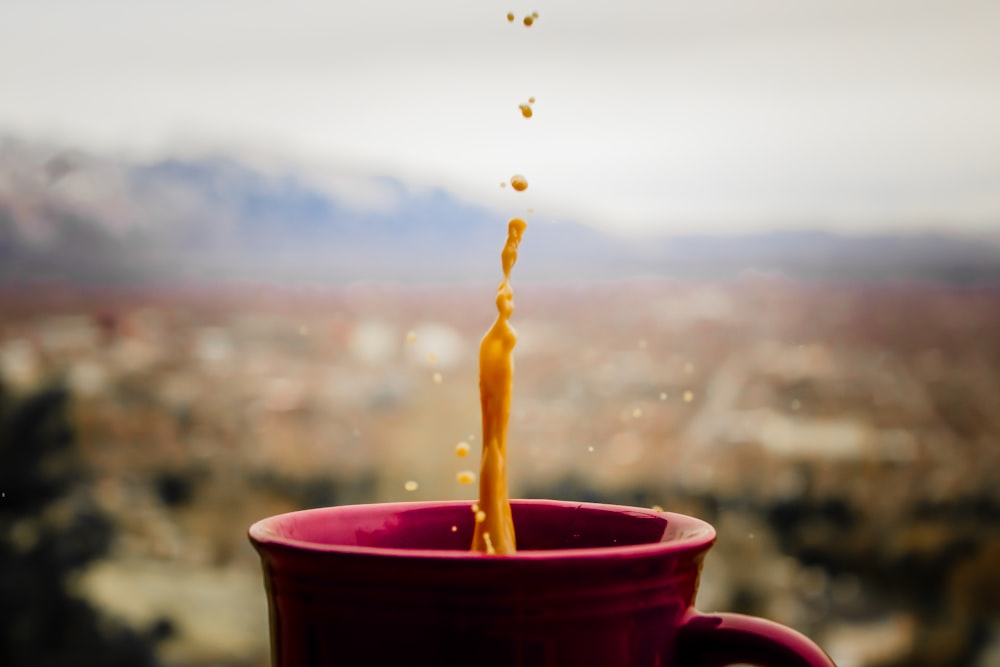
pixel 843 439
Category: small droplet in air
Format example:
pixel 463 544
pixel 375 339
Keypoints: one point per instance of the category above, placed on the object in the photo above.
pixel 503 184
pixel 519 182
pixel 688 396
pixel 663 395
pixel 636 413
pixel 656 508
pixel 462 449
pixel 510 17
pixel 528 21
pixel 474 507
pixel 438 379
pixel 411 485
pixel 590 449
pixel 454 529
pixel 465 477
pixel 531 100
pixel 525 110
pixel 480 516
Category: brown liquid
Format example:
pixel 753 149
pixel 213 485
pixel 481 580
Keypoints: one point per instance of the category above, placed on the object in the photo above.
pixel 494 531
pixel 525 110
pixel 519 182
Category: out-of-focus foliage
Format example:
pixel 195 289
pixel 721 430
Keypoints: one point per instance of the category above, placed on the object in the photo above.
pixel 49 530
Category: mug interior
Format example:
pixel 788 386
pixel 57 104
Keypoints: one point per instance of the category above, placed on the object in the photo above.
pixel 543 527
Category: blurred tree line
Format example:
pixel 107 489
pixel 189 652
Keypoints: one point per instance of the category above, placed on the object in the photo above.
pixel 50 529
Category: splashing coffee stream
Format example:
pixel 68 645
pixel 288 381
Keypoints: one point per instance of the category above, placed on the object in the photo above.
pixel 495 533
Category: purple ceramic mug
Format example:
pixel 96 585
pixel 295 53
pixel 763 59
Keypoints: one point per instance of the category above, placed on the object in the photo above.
pixel 590 585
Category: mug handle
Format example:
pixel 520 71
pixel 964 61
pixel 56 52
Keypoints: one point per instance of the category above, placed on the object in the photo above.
pixel 716 640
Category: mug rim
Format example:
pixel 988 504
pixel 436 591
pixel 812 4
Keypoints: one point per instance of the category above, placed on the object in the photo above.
pixel 686 534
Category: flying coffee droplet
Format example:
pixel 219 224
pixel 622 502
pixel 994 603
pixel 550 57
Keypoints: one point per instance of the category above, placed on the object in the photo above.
pixel 531 100
pixel 528 21
pixel 525 110
pixel 519 182
pixel 510 17
pixel 411 486
pixel 503 184
pixel 465 477
pixel 534 15
pixel 462 449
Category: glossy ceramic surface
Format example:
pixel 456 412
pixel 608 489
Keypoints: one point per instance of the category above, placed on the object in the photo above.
pixel 395 584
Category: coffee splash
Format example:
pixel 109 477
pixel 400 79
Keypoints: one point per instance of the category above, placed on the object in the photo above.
pixel 494 531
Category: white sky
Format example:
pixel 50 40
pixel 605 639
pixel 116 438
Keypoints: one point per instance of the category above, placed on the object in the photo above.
pixel 651 115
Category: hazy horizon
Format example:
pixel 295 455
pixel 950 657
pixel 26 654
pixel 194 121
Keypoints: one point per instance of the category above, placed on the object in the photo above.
pixel 650 117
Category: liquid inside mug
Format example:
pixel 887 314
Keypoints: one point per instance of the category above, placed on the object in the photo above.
pixel 591 585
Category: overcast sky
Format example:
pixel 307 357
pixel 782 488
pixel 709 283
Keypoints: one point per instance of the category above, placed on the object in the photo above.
pixel 652 115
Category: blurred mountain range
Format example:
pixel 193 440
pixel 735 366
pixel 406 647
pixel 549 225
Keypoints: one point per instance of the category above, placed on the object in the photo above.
pixel 70 217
